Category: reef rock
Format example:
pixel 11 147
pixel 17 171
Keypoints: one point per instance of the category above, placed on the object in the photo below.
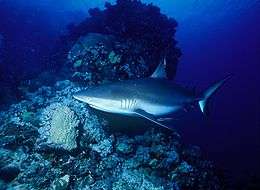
pixel 125 40
pixel 61 183
pixel 93 131
pixel 124 146
pixel 85 43
pixel 97 58
pixel 103 147
pixel 134 180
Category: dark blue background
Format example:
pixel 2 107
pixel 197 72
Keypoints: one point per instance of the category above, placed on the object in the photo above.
pixel 211 50
pixel 217 38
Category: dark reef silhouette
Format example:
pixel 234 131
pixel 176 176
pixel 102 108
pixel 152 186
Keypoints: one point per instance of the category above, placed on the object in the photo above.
pixel 139 27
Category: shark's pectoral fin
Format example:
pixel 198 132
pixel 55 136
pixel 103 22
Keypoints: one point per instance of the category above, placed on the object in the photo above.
pixel 150 117
pixel 166 119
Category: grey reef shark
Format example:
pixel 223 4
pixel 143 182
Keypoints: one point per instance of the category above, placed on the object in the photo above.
pixel 152 98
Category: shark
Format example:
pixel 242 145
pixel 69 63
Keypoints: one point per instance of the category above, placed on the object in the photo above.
pixel 153 98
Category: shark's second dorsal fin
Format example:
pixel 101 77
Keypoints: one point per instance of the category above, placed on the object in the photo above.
pixel 160 71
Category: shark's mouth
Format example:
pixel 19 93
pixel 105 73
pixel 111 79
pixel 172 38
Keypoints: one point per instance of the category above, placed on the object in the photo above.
pixel 93 106
pixel 98 108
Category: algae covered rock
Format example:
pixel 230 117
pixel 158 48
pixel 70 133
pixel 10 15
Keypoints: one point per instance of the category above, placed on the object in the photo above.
pixel 134 180
pixel 61 183
pixel 124 145
pixel 59 126
pixel 104 147
pixel 131 36
pixel 124 148
pixel 114 58
pixel 93 131
pixel 85 43
pixel 126 40
pixel 97 58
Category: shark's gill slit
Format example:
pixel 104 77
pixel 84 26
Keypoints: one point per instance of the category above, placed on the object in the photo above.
pixel 132 103
pixel 129 103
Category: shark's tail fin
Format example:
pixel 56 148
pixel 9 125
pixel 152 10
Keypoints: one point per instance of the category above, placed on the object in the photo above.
pixel 204 98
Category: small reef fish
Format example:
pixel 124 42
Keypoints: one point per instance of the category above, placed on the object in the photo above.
pixel 152 98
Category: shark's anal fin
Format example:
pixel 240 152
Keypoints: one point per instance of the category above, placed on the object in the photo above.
pixel 150 117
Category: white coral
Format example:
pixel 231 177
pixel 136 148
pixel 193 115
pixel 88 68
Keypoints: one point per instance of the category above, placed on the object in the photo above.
pixel 59 126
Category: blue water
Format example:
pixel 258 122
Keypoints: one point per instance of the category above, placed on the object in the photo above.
pixel 217 38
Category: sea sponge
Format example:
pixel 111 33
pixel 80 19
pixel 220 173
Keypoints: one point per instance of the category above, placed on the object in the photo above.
pixel 59 126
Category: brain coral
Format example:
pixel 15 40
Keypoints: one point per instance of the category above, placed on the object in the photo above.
pixel 59 126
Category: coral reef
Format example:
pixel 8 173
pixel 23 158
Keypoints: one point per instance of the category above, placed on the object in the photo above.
pixel 102 160
pixel 128 39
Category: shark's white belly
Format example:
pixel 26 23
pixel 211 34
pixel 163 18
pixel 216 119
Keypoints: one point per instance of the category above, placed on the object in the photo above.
pixel 128 107
pixel 158 109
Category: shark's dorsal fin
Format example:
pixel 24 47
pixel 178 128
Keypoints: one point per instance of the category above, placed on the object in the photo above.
pixel 150 117
pixel 160 71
